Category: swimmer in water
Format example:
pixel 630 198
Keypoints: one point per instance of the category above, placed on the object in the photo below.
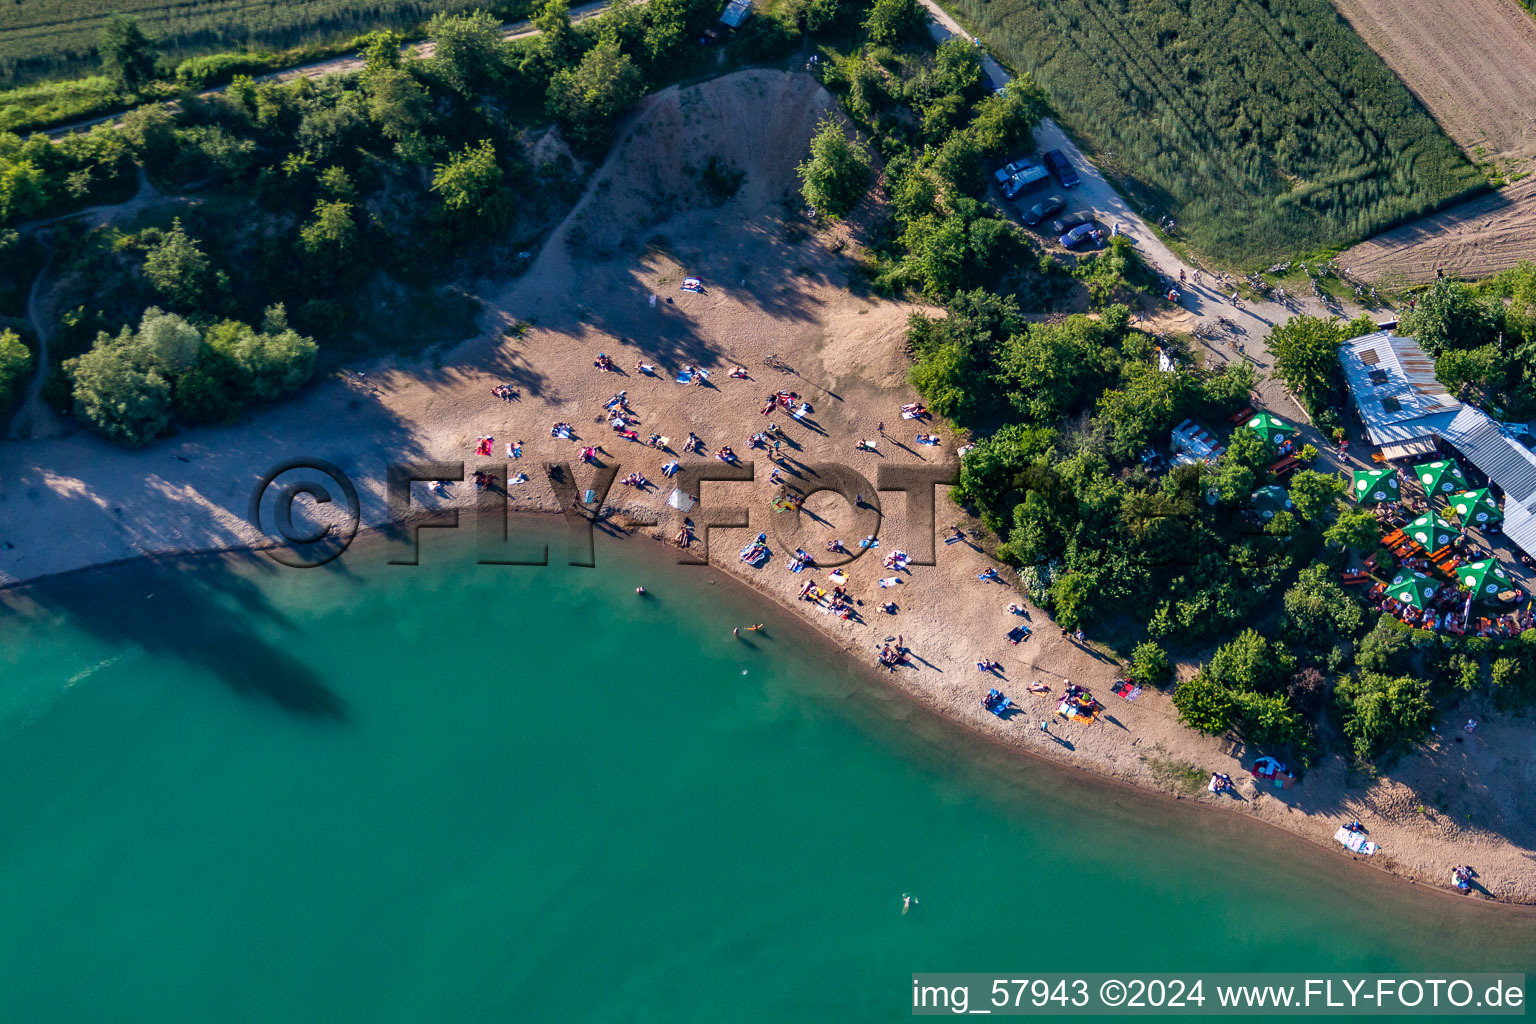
pixel 640 591
pixel 908 901
pixel 736 632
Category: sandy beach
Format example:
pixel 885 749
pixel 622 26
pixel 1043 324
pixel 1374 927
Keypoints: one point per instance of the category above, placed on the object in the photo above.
pixel 784 302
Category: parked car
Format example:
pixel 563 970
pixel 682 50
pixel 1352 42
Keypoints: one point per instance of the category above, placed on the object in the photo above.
pixel 1061 225
pixel 1008 170
pixel 1043 209
pixel 1072 238
pixel 1023 179
pixel 1057 162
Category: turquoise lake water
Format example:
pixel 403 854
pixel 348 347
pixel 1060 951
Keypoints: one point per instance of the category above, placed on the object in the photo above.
pixel 238 792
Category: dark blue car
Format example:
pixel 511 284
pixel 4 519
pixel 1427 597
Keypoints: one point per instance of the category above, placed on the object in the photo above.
pixel 1058 164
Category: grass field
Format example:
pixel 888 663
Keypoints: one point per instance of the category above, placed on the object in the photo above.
pixel 1265 127
pixel 43 38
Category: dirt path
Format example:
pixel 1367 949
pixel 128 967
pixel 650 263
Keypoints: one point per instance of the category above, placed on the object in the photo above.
pixel 34 419
pixel 346 63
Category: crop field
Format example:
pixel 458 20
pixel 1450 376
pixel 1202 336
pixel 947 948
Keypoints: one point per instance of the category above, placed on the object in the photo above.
pixel 1264 127
pixel 1471 240
pixel 1472 63
pixel 41 38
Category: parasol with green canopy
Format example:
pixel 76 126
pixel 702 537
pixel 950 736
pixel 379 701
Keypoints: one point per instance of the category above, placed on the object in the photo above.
pixel 1413 588
pixel 1374 486
pixel 1476 508
pixel 1271 429
pixel 1267 501
pixel 1432 531
pixel 1486 579
pixel 1440 477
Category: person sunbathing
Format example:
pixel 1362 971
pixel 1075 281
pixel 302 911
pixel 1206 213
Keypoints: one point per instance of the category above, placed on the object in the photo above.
pixel 725 454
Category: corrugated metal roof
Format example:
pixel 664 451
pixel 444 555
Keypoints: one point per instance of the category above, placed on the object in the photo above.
pixel 1507 462
pixel 1410 404
pixel 1393 383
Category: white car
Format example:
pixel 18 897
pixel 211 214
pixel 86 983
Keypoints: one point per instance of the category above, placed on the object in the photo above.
pixel 1029 174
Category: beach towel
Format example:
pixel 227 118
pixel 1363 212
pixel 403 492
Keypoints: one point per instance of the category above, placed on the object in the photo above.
pixel 680 501
pixel 1355 842
pixel 953 540
pixel 684 377
pixel 692 284
pixel 869 543
pixel 838 576
pixel 890 581
pixel 588 496
pixel 909 415
pixel 795 565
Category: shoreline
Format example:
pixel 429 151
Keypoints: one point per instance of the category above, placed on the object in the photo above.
pixel 940 734
pixel 795 321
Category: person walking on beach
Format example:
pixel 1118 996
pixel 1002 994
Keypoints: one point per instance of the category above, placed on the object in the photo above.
pixel 1045 726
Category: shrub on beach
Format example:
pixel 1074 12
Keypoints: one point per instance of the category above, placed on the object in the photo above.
pixel 1205 705
pixel 1380 713
pixel 128 386
pixel 1149 664
pixel 836 175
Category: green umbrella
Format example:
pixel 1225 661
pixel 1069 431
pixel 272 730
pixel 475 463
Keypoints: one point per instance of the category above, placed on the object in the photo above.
pixel 1432 531
pixel 1270 428
pixel 1413 588
pixel 1442 477
pixel 1476 508
pixel 1266 501
pixel 1485 579
pixel 1374 486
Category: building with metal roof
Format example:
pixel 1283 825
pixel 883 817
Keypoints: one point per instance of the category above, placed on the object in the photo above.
pixel 736 12
pixel 1406 410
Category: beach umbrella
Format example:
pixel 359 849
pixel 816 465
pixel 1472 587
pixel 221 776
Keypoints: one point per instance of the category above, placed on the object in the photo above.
pixel 1432 531
pixel 1440 477
pixel 1266 501
pixel 1486 579
pixel 1271 429
pixel 1374 486
pixel 1413 588
pixel 1476 508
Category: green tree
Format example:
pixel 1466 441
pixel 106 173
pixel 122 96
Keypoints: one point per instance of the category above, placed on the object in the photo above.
pixel 469 53
pixel 1450 315
pixel 176 266
pixel 1306 350
pixel 397 103
pixel 1269 719
pixel 1356 529
pixel 1381 713
pixel 15 367
pixel 471 185
pixel 836 175
pixel 1318 612
pixel 1005 122
pixel 1072 599
pixel 1205 705
pixel 1387 648
pixel 127 55
pixel 1313 493
pixel 23 189
pixel 1149 664
pixel 328 238
pixel 589 98
pixel 892 21
pixel 122 385
pixel 1251 662
pixel 381 52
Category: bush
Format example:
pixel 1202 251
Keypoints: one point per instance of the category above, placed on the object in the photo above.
pixel 836 175
pixel 1382 713
pixel 15 368
pixel 1205 705
pixel 1250 662
pixel 1149 665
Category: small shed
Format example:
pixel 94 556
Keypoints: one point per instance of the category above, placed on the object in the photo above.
pixel 736 12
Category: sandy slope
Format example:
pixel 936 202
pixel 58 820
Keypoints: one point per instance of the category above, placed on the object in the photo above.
pixel 1471 240
pixel 774 289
